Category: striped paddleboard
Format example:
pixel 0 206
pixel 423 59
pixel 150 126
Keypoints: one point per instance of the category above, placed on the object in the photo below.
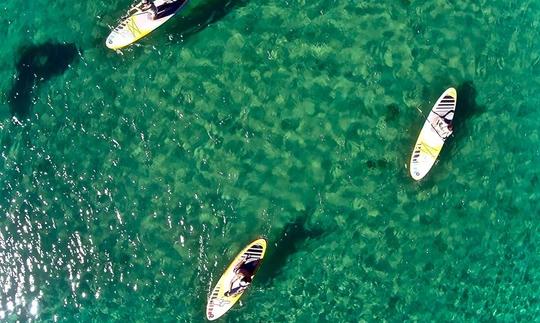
pixel 436 129
pixel 139 22
pixel 226 293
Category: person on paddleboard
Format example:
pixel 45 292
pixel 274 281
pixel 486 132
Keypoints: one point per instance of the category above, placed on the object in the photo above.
pixel 244 275
pixel 150 6
pixel 444 125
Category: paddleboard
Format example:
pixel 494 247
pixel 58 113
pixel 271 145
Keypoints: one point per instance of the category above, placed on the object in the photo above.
pixel 235 280
pixel 140 21
pixel 436 129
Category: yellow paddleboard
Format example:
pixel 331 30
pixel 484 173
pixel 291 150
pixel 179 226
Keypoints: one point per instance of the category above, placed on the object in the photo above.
pixel 436 129
pixel 236 279
pixel 141 21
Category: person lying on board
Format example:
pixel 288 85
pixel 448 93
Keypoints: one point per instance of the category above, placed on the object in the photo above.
pixel 244 273
pixel 443 124
pixel 150 6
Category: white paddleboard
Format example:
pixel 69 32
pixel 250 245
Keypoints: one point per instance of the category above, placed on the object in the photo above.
pixel 232 283
pixel 436 129
pixel 140 21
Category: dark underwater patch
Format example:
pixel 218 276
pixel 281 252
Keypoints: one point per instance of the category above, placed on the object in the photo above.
pixel 392 112
pixel 374 164
pixel 206 14
pixel 38 64
pixel 466 106
pixel 294 235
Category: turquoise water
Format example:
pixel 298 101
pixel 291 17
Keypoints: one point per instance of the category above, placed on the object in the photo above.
pixel 130 181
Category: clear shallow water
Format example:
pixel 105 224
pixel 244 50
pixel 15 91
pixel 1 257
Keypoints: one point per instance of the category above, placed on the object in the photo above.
pixel 130 181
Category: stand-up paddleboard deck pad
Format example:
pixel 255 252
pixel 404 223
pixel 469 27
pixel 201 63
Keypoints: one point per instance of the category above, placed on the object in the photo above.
pixel 219 303
pixel 139 22
pixel 435 131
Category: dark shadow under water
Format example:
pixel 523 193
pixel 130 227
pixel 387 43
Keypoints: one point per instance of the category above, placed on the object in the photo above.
pixel 466 109
pixel 294 235
pixel 38 64
pixel 466 106
pixel 201 16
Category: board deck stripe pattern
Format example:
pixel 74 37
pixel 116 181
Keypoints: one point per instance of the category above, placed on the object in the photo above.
pixel 140 22
pixel 255 252
pixel 213 297
pixel 437 128
pixel 219 302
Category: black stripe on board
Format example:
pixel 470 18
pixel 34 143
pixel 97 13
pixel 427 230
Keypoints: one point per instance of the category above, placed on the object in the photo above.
pixel 254 256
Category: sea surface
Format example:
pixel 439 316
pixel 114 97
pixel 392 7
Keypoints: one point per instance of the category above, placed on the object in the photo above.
pixel 130 180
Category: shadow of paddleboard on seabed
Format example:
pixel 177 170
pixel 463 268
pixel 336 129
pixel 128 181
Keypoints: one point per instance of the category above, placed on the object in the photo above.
pixel 294 235
pixel 466 109
pixel 200 16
